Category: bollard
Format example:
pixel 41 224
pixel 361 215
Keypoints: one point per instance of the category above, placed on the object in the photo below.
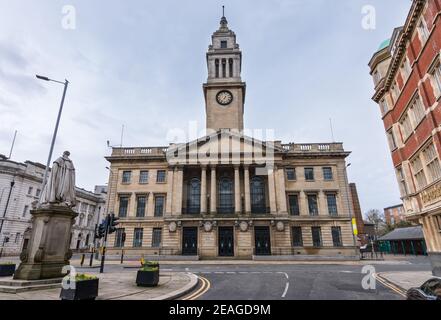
pixel 122 256
pixel 82 259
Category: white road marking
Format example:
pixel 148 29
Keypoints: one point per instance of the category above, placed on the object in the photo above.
pixel 286 290
pixel 187 269
pixel 286 275
pixel 243 272
pixel 231 272
pixel 218 272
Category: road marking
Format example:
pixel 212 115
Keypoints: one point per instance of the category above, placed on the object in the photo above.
pixel 243 272
pixel 187 269
pixel 231 272
pixel 286 290
pixel 389 285
pixel 219 272
pixel 286 275
pixel 255 272
pixel 204 288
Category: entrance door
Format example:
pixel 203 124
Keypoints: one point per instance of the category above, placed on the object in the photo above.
pixel 226 242
pixel 190 241
pixel 262 241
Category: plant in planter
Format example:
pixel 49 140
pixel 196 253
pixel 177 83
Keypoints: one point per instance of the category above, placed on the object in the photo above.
pixel 84 287
pixel 148 275
pixel 7 269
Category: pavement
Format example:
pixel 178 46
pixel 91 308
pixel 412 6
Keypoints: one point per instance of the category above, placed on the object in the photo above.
pixel 405 280
pixel 122 286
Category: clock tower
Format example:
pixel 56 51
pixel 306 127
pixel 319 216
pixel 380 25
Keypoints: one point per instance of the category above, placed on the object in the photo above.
pixel 224 91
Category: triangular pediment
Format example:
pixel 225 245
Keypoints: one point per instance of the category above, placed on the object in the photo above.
pixel 229 146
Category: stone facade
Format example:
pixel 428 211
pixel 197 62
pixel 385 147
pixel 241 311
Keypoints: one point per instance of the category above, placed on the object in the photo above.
pixel 407 78
pixel 227 194
pixel 26 179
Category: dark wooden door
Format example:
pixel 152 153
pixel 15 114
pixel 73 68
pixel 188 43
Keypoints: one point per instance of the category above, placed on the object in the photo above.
pixel 226 241
pixel 262 241
pixel 190 241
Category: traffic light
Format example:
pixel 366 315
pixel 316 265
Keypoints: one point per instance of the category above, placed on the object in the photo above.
pixel 101 229
pixel 113 223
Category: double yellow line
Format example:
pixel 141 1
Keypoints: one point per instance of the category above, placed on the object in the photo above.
pixel 202 290
pixel 390 285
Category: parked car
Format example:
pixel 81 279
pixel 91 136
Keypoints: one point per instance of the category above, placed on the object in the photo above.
pixel 429 290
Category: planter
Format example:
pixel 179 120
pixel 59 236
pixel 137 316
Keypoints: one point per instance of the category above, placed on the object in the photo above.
pixel 84 290
pixel 147 278
pixel 7 270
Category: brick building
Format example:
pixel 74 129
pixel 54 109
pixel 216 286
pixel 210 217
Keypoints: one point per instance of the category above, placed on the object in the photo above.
pixel 407 77
pixel 394 214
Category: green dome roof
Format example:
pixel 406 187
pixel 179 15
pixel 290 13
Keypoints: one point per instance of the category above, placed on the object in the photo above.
pixel 384 44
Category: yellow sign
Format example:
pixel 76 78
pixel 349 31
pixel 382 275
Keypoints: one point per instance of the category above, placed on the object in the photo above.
pixel 354 226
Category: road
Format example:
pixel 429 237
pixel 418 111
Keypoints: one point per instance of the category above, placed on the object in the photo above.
pixel 291 281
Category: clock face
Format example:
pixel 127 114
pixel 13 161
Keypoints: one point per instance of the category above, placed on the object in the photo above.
pixel 224 97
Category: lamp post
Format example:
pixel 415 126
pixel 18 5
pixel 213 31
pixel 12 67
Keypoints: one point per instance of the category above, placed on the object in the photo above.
pixel 12 183
pixel 54 136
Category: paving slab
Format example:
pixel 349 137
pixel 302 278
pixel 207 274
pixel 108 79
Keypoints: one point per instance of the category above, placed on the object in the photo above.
pixel 406 279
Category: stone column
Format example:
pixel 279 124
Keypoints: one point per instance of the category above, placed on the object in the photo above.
pixel 322 204
pixel 179 189
pixel 246 174
pixel 168 207
pixel 213 193
pixel 281 190
pixel 237 205
pixel 304 211
pixel 203 190
pixel 272 191
pixel 150 205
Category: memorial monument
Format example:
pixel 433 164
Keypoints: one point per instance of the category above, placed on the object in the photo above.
pixel 48 249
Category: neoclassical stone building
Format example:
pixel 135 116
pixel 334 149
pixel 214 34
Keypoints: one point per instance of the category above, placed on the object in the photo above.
pixel 229 194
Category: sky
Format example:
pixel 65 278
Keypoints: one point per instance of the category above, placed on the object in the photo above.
pixel 141 64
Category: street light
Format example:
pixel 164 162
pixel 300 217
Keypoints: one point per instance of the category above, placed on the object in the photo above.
pixel 54 136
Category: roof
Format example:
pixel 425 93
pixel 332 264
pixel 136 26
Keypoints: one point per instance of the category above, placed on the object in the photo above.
pixel 384 44
pixel 392 207
pixel 410 233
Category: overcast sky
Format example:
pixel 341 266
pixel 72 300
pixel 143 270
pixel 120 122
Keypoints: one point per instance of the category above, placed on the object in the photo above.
pixel 142 64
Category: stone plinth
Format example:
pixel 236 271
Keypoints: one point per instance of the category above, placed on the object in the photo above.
pixel 48 249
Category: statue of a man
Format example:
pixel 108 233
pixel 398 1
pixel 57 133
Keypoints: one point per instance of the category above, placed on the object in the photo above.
pixel 60 187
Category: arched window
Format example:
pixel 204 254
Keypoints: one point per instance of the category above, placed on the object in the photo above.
pixel 258 195
pixel 230 65
pixel 216 62
pixel 194 196
pixel 224 68
pixel 226 196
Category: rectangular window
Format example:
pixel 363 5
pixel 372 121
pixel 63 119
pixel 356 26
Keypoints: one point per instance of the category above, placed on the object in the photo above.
pixel 316 236
pixel 143 177
pixel 140 206
pixel 418 110
pixel 402 181
pixel 424 32
pixel 309 174
pixel 137 237
pixel 30 190
pixel 332 204
pixel 418 172
pixel 159 206
pixel 25 211
pixel 391 139
pixel 223 44
pixel 127 176
pixel 119 238
pixel 395 92
pixel 405 68
pixel 297 238
pixel 156 237
pixel 160 177
pixel 336 236
pixel 293 204
pixel 17 238
pixel 432 163
pixel 327 173
pixel 312 204
pixel 290 174
pixel 37 193
pixel 406 127
pixel 123 206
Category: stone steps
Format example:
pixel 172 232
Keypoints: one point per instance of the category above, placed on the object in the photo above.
pixel 9 285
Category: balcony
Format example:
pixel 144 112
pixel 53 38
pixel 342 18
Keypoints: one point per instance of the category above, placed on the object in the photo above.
pixel 139 151
pixel 313 147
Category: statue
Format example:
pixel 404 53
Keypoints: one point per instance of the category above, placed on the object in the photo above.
pixel 60 187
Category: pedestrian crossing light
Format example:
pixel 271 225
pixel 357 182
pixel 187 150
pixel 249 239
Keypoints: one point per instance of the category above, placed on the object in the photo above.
pixel 101 232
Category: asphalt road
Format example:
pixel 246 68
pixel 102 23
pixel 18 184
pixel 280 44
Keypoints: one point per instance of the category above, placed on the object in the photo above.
pixel 292 281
